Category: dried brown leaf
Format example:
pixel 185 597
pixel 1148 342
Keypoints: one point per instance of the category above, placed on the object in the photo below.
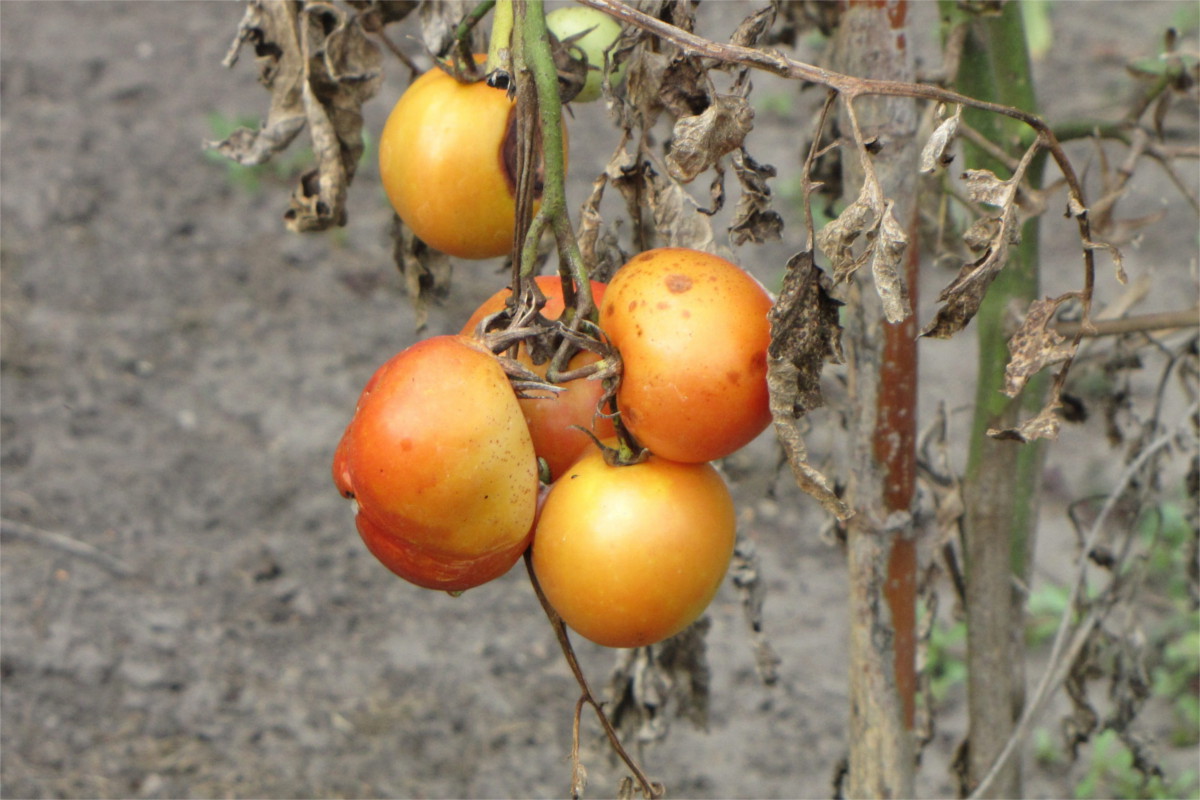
pixel 272 29
pixel 439 23
pixel 1043 426
pixel 936 152
pixel 753 219
pixel 1035 345
pixel 984 187
pixel 684 87
pixel 837 237
pixel 805 334
pixel 598 245
pixel 887 266
pixel 960 300
pixel 426 271
pixel 697 142
pixel 752 28
pixel 650 686
pixel 320 68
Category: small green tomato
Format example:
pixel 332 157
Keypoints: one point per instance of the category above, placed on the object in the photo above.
pixel 602 33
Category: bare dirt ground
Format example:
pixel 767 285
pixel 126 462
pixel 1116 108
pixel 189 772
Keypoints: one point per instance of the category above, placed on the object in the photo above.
pixel 176 371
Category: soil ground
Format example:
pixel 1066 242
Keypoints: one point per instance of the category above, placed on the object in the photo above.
pixel 176 371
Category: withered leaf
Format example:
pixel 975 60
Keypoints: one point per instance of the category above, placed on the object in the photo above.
pixel 960 300
pixel 426 271
pixel 272 29
pixel 650 686
pixel 984 187
pixel 1044 426
pixel 320 68
pixel 753 219
pixel 837 237
pixel 697 142
pixel 887 265
pixel 343 70
pixel 684 87
pixel 675 221
pixel 752 28
pixel 375 14
pixel 439 23
pixel 805 334
pixel 1035 345
pixel 936 152
pixel 598 245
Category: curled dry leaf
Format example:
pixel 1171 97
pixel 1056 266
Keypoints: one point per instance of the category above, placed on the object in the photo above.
pixel 753 219
pixel 984 187
pixel 439 23
pixel 598 245
pixel 960 300
pixel 426 271
pixel 837 237
pixel 804 335
pixel 650 686
pixel 936 152
pixel 887 266
pixel 271 28
pixel 1044 426
pixel 699 141
pixel 320 68
pixel 1036 344
pixel 746 573
pixel 675 221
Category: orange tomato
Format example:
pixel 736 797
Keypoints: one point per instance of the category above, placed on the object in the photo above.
pixel 447 159
pixel 441 159
pixel 629 556
pixel 692 331
pixel 441 465
pixel 551 420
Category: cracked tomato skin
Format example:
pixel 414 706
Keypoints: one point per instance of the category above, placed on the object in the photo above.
pixel 692 331
pixel 550 420
pixel 441 466
pixel 442 162
pixel 629 556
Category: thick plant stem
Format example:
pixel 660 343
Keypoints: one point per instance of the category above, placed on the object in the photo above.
pixel 1002 478
pixel 870 42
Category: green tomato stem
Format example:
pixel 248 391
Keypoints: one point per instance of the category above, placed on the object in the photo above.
pixel 499 54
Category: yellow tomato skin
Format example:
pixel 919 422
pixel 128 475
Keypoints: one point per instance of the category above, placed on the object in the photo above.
pixel 551 420
pixel 692 331
pixel 442 165
pixel 441 465
pixel 629 556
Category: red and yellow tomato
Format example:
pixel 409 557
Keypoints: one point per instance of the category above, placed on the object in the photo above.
pixel 631 555
pixel 441 466
pixel 693 333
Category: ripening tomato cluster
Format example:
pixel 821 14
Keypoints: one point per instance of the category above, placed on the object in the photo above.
pixel 441 455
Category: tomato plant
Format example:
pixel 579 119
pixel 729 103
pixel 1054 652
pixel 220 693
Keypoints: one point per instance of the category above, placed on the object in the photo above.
pixel 441 465
pixel 596 34
pixel 630 555
pixel 552 420
pixel 692 331
pixel 447 161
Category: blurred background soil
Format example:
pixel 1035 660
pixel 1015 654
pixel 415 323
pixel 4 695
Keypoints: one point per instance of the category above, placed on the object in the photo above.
pixel 176 372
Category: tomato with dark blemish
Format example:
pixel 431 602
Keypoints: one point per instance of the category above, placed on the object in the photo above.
pixel 694 383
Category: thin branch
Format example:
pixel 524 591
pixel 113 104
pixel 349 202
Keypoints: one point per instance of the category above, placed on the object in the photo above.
pixel 11 528
pixel 1142 323
pixel 649 789
pixel 1062 652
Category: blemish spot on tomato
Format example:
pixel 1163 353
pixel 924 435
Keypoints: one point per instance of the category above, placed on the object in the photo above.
pixel 632 305
pixel 662 305
pixel 406 445
pixel 758 361
pixel 733 377
pixel 687 314
pixel 678 284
